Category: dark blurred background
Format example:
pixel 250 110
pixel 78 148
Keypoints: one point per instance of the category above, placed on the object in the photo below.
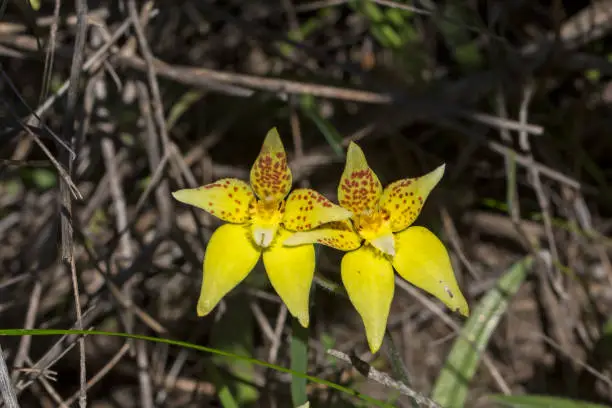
pixel 512 95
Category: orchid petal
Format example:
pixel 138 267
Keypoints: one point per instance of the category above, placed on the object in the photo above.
pixel 230 256
pixel 359 188
pixel 404 199
pixel 270 174
pixel 422 260
pixel 385 243
pixel 291 270
pixel 227 199
pixel 339 235
pixel 368 278
pixel 306 209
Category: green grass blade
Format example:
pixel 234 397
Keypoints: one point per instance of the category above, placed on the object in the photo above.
pixel 451 388
pixel 540 401
pixel 333 138
pixel 185 102
pixel 184 344
pixel 299 362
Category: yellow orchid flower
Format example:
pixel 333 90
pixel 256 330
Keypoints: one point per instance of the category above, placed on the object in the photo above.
pixel 378 238
pixel 258 220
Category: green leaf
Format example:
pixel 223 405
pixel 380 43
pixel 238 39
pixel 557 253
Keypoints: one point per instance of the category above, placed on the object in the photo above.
pixel 540 401
pixel 182 105
pixel 454 25
pixel 391 36
pixel 373 12
pixel 299 362
pixel 451 388
pixel 396 16
pixel 187 345
pixel 42 178
pixel 332 136
pixel 469 55
pixel 607 328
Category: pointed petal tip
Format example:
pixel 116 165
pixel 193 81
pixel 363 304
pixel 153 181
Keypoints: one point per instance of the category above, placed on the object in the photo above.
pixel 437 174
pixel 178 194
pixel 204 308
pixel 355 151
pixel 304 320
pixel 273 140
pixel 186 196
pixel 463 309
pixel 374 345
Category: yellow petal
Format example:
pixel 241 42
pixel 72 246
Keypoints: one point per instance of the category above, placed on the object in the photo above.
pixel 230 256
pixel 291 270
pixel 369 280
pixel 359 188
pixel 404 199
pixel 227 199
pixel 270 174
pixel 306 209
pixel 339 235
pixel 422 260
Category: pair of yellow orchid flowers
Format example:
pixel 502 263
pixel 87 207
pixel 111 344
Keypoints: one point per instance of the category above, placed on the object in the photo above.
pixel 371 224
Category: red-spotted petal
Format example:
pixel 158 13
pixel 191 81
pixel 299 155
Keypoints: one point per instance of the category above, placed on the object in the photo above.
pixel 404 199
pixel 359 188
pixel 339 235
pixel 306 209
pixel 270 174
pixel 227 199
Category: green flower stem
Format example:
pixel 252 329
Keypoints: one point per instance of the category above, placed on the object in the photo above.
pixel 299 362
pixel 397 364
